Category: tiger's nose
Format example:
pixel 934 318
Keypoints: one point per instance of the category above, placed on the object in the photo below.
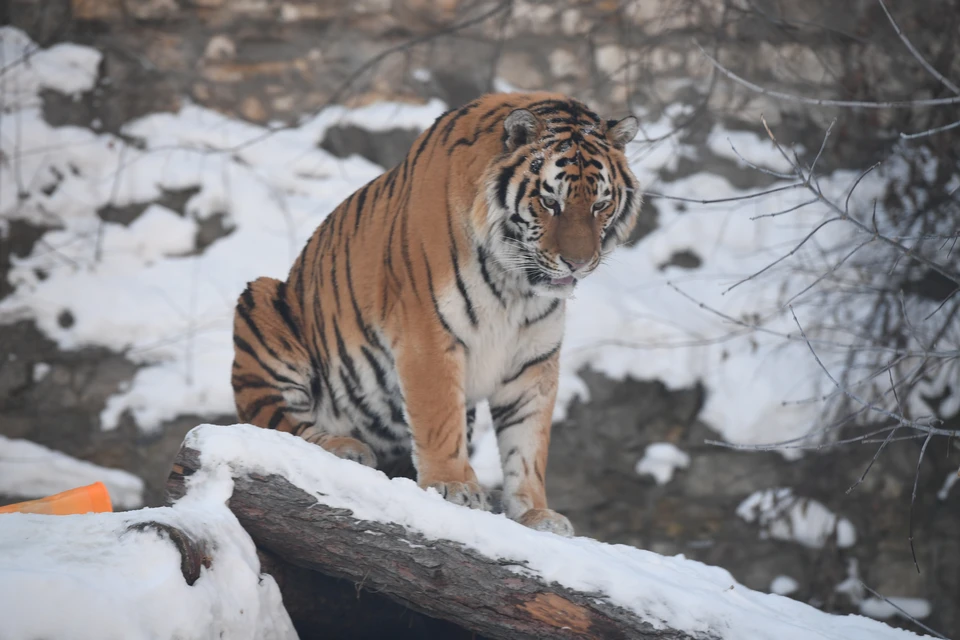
pixel 575 265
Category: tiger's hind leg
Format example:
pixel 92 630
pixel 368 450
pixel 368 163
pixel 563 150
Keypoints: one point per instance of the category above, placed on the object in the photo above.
pixel 274 378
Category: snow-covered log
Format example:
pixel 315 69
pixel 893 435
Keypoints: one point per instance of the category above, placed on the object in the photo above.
pixel 479 570
pixel 437 577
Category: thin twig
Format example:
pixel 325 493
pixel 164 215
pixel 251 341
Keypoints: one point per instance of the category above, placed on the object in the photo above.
pixel 916 54
pixel 786 211
pixel 885 442
pixel 913 497
pixel 783 257
pixel 930 132
pixel 750 196
pixel 844 214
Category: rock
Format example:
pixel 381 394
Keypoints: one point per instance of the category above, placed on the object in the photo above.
pixel 385 148
pixel 151 9
pixel 612 60
pixel 529 17
pixel 252 109
pixel 283 105
pixel 175 200
pixel 564 64
pixel 297 11
pixel 220 47
pixel 221 74
pixel 169 52
pixel 100 10
pixel 16 241
pixel 685 259
pixel 572 22
pixel 520 69
pixel 126 90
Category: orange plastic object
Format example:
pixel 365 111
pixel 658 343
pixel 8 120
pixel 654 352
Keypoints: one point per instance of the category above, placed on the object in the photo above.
pixel 91 498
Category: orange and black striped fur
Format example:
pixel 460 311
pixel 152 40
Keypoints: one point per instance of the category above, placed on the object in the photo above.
pixel 441 284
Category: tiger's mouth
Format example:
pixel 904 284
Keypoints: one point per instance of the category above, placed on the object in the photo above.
pixel 566 281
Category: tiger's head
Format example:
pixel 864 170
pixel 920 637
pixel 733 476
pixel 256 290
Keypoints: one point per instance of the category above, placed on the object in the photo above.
pixel 562 195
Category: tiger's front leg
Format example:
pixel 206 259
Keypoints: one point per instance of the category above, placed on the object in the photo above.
pixel 522 411
pixel 431 369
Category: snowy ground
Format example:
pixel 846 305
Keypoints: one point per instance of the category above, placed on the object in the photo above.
pixel 784 516
pixel 661 460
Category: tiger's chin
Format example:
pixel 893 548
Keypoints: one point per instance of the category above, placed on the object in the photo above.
pixel 562 288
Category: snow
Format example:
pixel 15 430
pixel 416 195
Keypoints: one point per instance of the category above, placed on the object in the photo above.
pixel 421 74
pixel 40 371
pixel 29 470
pixel 783 516
pixel 876 606
pixel 783 585
pixel 275 186
pixel 852 586
pixel 883 609
pixel 27 69
pixel 665 591
pixel 486 456
pixel 660 460
pixel 948 483
pixel 89 577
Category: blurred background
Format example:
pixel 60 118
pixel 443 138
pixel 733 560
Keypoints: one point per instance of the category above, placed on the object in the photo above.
pixel 157 154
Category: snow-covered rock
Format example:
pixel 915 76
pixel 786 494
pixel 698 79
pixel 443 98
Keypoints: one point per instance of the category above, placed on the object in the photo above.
pixel 784 516
pixel 783 585
pixel 660 460
pixel 91 577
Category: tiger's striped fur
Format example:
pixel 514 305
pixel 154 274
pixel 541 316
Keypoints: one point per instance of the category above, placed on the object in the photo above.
pixel 441 284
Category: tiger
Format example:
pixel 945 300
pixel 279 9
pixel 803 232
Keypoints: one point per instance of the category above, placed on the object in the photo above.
pixel 440 284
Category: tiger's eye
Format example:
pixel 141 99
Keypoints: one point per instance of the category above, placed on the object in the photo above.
pixel 548 202
pixel 600 206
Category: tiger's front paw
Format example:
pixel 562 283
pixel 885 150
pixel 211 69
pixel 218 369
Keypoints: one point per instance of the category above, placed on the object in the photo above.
pixel 547 520
pixel 467 494
pixel 342 446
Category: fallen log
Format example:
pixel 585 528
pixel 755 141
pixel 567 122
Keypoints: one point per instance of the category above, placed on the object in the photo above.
pixel 438 578
pixel 304 507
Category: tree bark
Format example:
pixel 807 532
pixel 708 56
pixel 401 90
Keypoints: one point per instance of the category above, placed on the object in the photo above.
pixel 193 553
pixel 437 578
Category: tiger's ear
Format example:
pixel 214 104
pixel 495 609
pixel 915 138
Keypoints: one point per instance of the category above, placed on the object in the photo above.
pixel 521 127
pixel 619 133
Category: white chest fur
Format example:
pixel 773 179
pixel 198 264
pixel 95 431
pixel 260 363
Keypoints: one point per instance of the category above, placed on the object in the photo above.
pixel 505 330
